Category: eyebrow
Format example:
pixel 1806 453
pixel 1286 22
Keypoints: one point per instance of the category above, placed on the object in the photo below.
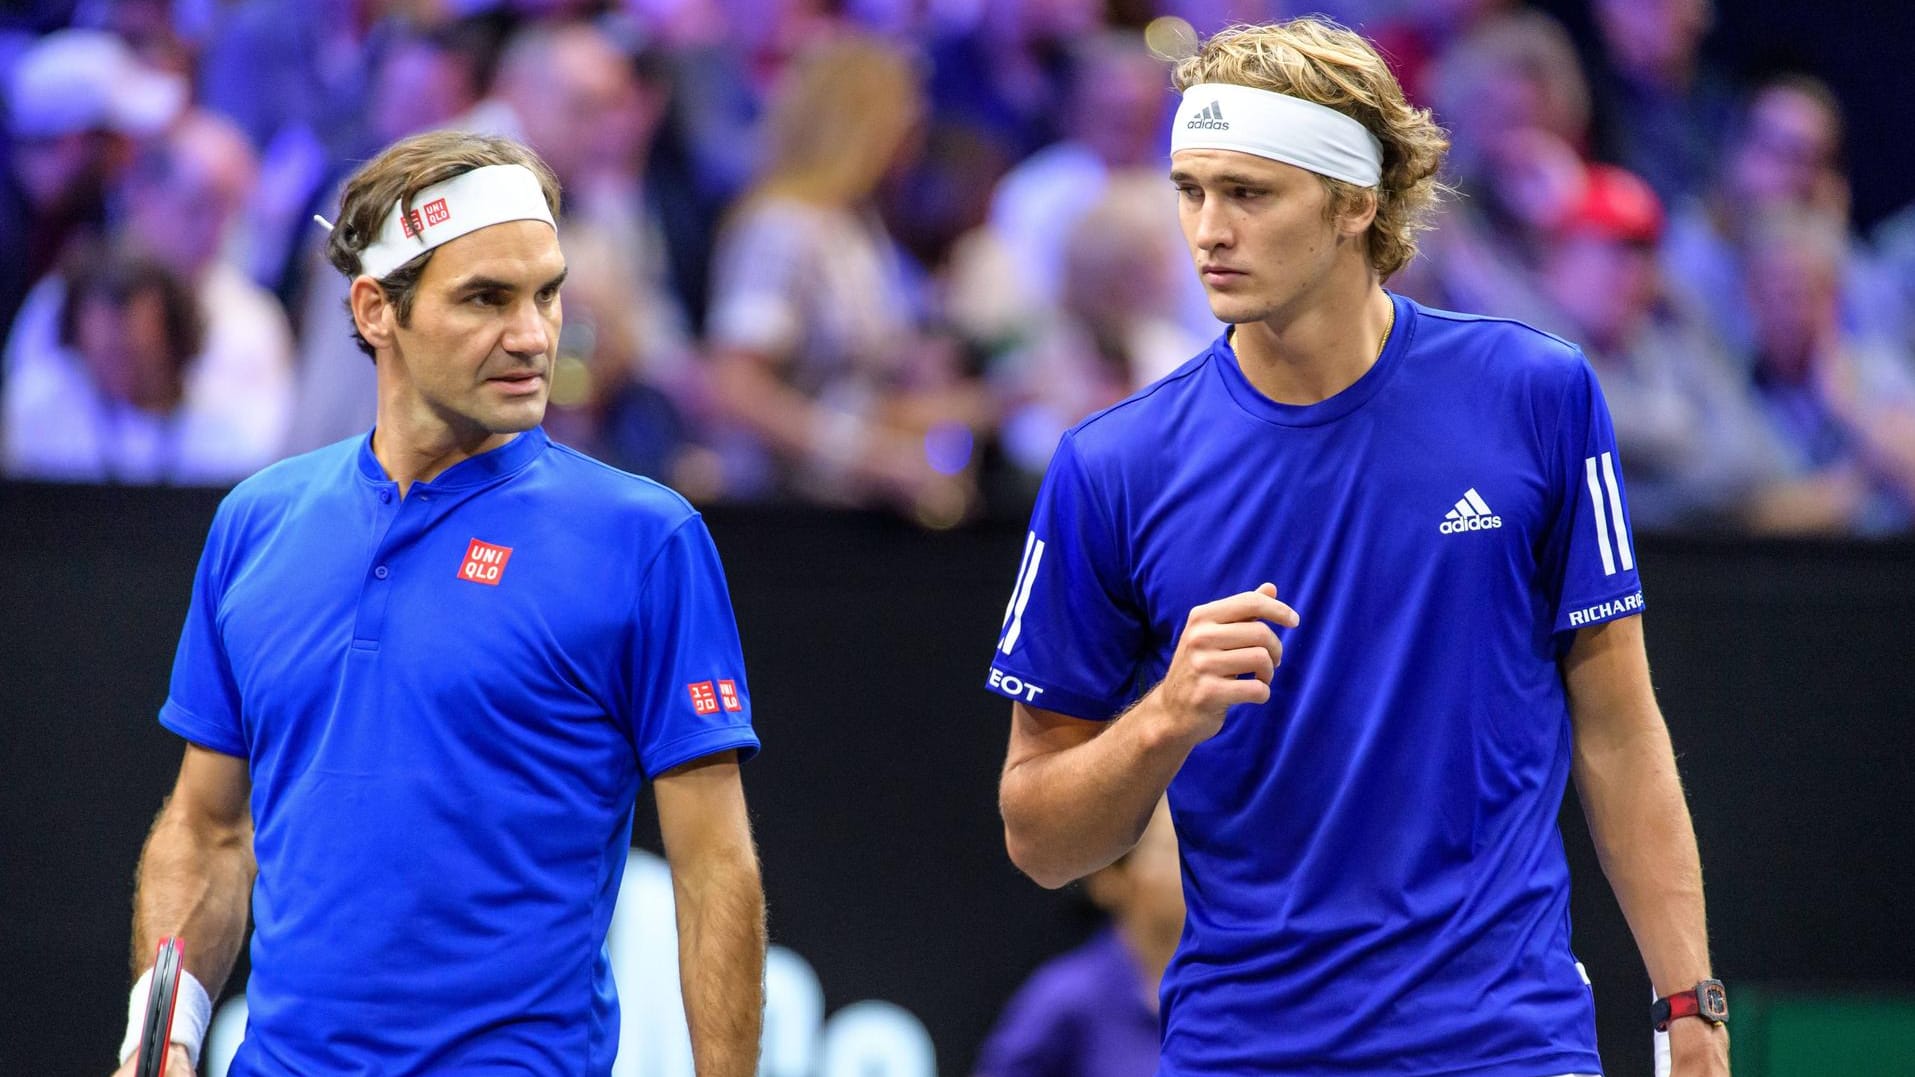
pixel 1228 179
pixel 493 284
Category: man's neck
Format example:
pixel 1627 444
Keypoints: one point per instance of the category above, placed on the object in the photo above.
pixel 1309 355
pixel 415 449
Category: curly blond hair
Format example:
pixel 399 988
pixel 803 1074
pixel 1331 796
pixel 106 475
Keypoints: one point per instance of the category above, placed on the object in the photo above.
pixel 1316 59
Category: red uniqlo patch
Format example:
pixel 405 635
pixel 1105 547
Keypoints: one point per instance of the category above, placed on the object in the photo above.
pixel 411 225
pixel 704 699
pixel 728 695
pixel 436 212
pixel 484 563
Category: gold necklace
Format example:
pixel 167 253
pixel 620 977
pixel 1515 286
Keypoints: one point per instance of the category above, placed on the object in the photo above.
pixel 1387 329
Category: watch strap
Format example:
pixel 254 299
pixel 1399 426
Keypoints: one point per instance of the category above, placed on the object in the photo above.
pixel 1706 1000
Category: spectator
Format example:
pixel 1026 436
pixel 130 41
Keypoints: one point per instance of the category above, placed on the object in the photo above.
pixel 1843 405
pixel 721 59
pixel 181 197
pixel 1004 75
pixel 1514 97
pixel 999 81
pixel 821 371
pixel 149 27
pixel 1785 153
pixel 1661 106
pixel 118 405
pixel 1119 104
pixel 580 101
pixel 418 81
pixel 1416 38
pixel 1693 448
pixel 1894 242
pixel 273 67
pixel 296 78
pixel 128 328
pixel 78 102
pixel 1093 1011
pixel 1115 330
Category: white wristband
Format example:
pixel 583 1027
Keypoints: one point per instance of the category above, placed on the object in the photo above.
pixel 192 1012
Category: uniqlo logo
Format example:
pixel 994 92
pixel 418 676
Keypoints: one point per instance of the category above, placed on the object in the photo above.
pixel 410 224
pixel 728 695
pixel 704 698
pixel 437 213
pixel 484 563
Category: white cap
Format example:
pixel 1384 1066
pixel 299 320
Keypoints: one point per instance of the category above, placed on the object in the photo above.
pixel 82 80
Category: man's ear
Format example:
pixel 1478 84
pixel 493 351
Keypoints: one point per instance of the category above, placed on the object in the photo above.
pixel 1358 215
pixel 373 312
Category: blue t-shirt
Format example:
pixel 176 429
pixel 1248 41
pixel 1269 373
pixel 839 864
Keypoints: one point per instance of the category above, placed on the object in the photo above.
pixel 1374 877
pixel 446 704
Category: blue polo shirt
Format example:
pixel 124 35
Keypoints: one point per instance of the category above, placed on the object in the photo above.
pixel 1373 873
pixel 447 703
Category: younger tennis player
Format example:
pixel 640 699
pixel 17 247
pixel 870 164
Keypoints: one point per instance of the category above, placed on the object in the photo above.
pixel 1356 584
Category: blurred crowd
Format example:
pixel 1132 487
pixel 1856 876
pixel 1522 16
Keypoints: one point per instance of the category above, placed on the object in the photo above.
pixel 881 254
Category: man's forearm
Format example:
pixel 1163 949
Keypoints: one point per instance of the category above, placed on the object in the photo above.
pixel 195 876
pixel 1633 801
pixel 721 962
pixel 1071 812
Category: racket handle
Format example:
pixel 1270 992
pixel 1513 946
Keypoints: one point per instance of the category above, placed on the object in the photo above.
pixel 156 1029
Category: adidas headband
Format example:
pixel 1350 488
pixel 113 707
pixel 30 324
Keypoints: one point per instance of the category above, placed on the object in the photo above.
pixel 1225 116
pixel 445 211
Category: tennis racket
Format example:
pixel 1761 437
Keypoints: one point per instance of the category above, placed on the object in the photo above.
pixel 156 1028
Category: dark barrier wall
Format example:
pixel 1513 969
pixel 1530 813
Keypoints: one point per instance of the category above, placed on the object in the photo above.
pixel 1785 670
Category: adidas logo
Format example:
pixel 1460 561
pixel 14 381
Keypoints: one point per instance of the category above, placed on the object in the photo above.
pixel 1470 514
pixel 1210 119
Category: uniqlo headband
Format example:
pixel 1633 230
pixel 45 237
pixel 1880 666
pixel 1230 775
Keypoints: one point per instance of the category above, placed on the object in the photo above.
pixel 445 211
pixel 1225 116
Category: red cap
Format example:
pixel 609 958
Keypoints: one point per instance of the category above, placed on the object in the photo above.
pixel 1615 204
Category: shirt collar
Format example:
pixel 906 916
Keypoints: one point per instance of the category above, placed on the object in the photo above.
pixel 1352 396
pixel 472 471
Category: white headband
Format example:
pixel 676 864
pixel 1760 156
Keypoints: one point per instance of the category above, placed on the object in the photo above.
pixel 445 211
pixel 1225 116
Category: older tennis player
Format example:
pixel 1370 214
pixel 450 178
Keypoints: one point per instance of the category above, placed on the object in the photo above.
pixel 423 676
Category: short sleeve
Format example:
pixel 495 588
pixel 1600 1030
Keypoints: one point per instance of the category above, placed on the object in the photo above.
pixel 1589 559
pixel 1072 634
pixel 202 702
pixel 688 696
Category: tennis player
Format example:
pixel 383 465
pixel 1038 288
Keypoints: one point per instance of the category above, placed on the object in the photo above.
pixel 423 676
pixel 1356 584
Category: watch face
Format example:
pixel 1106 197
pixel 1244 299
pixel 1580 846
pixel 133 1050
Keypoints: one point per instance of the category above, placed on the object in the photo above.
pixel 1713 1000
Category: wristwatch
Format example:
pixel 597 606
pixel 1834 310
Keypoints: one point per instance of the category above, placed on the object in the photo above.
pixel 1708 1001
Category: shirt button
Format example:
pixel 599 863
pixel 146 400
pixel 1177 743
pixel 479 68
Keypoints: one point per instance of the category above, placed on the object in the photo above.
pixel 382 572
pixel 385 495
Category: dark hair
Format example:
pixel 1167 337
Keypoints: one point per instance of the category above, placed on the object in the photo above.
pixel 397 175
pixel 118 276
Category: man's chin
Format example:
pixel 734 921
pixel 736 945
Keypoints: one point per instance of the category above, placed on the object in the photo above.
pixel 517 417
pixel 1235 312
